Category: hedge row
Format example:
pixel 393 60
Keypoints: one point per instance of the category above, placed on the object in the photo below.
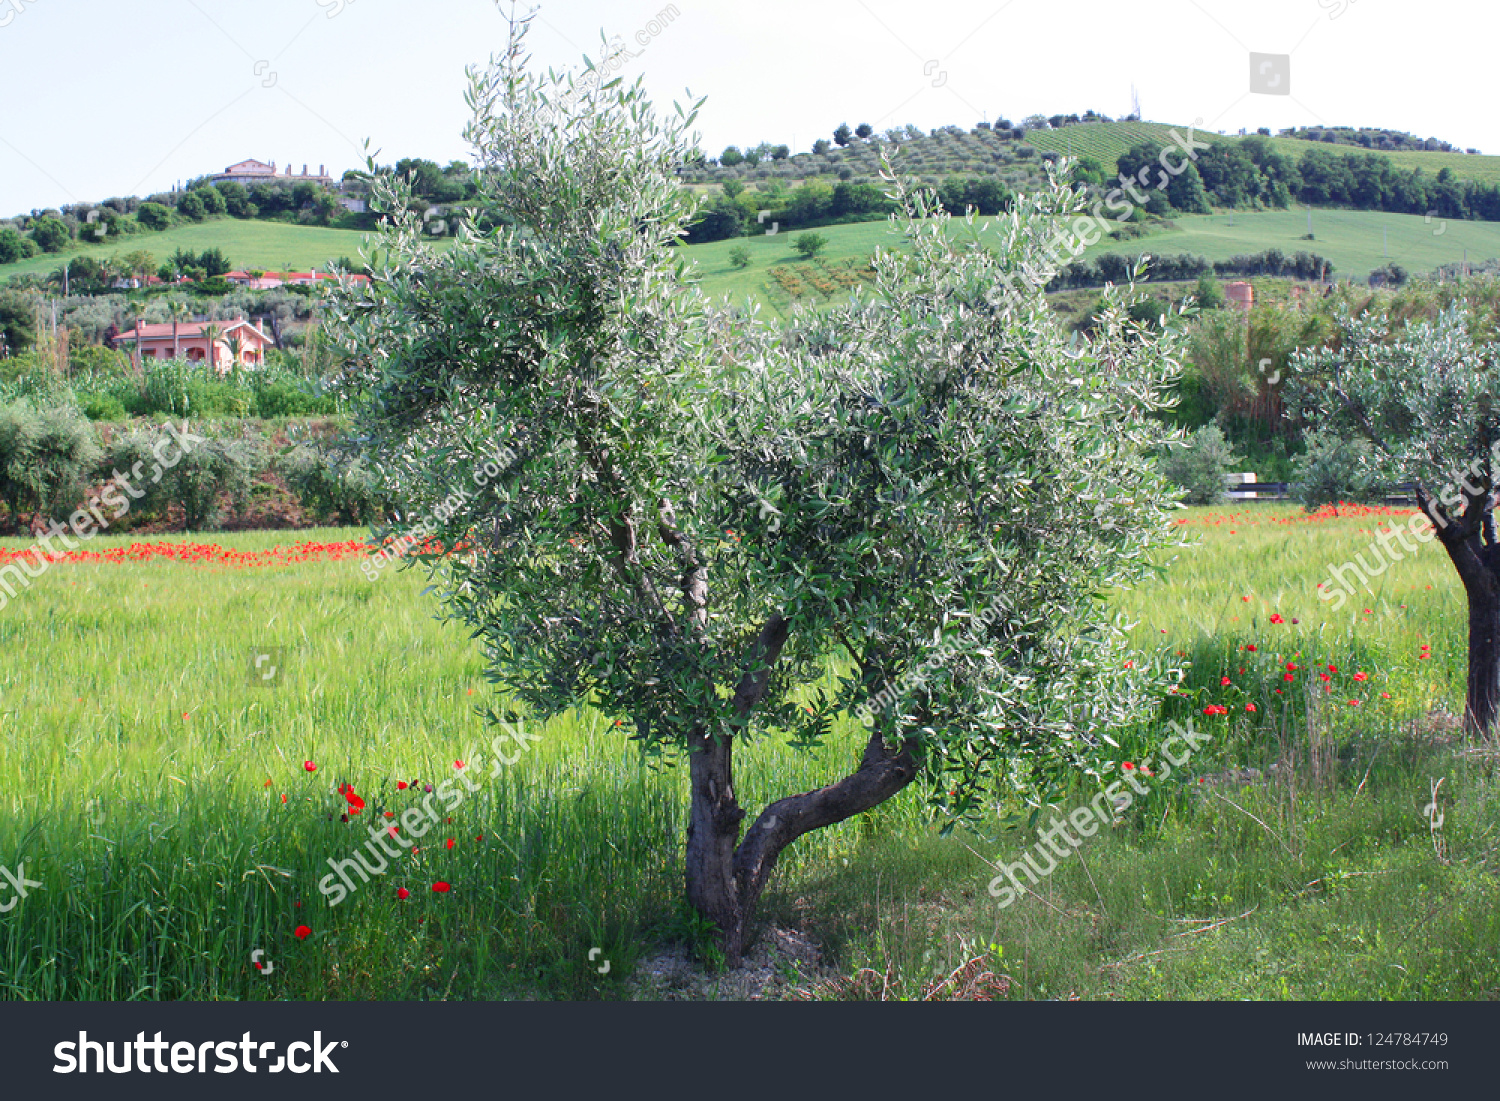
pixel 54 461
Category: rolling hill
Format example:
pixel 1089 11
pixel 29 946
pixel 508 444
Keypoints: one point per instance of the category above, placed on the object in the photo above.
pixel 1355 241
pixel 271 246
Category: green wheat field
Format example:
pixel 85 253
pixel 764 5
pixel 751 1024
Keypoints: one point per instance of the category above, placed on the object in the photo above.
pixel 162 801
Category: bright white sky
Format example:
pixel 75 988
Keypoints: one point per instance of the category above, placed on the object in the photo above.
pixel 103 97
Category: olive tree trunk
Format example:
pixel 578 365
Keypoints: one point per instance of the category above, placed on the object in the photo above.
pixel 1474 549
pixel 726 872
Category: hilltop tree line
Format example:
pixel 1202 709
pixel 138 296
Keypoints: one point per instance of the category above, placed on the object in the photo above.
pixel 289 199
pixel 1252 172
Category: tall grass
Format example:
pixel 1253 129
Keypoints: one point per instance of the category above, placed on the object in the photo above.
pixel 142 775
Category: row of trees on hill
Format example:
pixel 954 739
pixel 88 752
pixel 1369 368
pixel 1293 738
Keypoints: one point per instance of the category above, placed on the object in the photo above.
pixel 1253 171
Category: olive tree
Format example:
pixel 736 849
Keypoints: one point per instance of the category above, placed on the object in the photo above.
pixel 1426 397
pixel 893 522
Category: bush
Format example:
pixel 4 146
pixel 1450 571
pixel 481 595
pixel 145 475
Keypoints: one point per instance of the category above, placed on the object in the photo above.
pixel 46 456
pixel 285 398
pixel 332 488
pixel 190 205
pixel 1208 293
pixel 809 244
pixel 154 216
pixel 1334 470
pixel 1200 464
pixel 102 407
pixel 739 257
pixel 50 234
pixel 210 468
pixel 131 456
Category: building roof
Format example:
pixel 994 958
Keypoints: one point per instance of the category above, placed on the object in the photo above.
pixel 189 330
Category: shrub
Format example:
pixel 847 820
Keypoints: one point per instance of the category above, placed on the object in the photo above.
pixel 739 257
pixel 102 407
pixel 1334 469
pixel 154 216
pixel 285 398
pixel 208 469
pixel 809 244
pixel 132 456
pixel 1200 464
pixel 330 486
pixel 45 458
pixel 1208 293
pixel 50 234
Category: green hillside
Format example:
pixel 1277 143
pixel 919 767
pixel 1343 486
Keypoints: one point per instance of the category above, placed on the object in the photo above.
pixel 1352 240
pixel 272 246
pixel 1105 141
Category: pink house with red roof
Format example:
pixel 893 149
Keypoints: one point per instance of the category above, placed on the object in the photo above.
pixel 190 342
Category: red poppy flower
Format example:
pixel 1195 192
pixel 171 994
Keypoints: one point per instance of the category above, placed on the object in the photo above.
pixel 309 766
pixel 1127 765
pixel 1385 695
pixel 1249 707
pixel 1291 666
pixel 267 783
pixel 1223 681
pixel 1333 668
pixel 185 715
pixel 451 842
pixel 479 838
pixel 458 764
pixel 1353 703
pixel 283 798
pixel 392 830
pixel 1276 618
pixel 402 892
pixel 400 785
pixel 1251 647
pixel 302 932
pixel 442 888
pixel 1130 665
pixel 1246 599
pixel 1288 676
pixel 1361 676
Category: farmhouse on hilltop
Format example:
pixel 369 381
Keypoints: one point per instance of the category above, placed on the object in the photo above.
pixel 253 171
pixel 159 342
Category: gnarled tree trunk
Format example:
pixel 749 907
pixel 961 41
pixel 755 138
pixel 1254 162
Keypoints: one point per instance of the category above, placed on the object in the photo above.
pixel 1474 549
pixel 725 874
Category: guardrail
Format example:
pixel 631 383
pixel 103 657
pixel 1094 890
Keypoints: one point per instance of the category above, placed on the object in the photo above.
pixel 1239 490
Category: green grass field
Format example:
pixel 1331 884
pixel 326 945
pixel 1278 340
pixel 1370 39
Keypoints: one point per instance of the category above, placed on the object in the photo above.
pixel 268 246
pixel 142 779
pixel 1356 242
